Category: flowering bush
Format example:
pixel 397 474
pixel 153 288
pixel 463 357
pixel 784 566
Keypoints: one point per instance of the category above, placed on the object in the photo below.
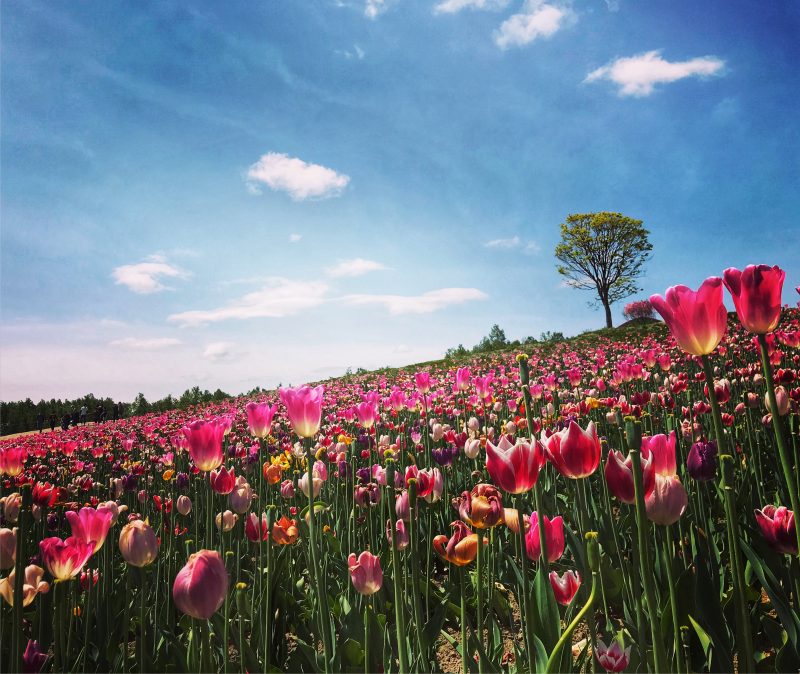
pixel 638 309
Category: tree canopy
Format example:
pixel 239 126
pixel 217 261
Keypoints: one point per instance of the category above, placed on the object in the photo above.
pixel 604 252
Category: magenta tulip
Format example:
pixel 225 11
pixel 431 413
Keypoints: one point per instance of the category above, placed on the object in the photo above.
pixel 612 658
pixel 304 408
pixel 756 293
pixel 554 538
pixel 201 586
pixel 259 418
pixel 205 442
pixel 90 525
pixel 778 527
pixel 223 480
pixel 365 572
pixel 574 452
pixel 514 468
pixel 697 320
pixel 65 559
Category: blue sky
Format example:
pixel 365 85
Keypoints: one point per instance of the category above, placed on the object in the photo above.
pixel 246 193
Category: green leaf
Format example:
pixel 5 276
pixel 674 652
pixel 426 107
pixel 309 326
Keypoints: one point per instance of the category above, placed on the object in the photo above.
pixel 547 619
pixel 352 652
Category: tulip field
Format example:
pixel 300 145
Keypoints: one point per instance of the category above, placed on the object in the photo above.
pixel 622 501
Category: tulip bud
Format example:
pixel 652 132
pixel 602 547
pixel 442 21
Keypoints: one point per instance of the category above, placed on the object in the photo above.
pixel 138 543
pixel 184 505
pixel 8 548
pixel 701 463
pixel 200 586
pixel 782 400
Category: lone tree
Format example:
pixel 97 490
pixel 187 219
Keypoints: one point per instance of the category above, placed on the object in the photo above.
pixel 605 252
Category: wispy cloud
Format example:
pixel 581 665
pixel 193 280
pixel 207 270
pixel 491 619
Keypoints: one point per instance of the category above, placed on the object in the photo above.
pixel 299 179
pixel 425 303
pixel 638 75
pixel 373 8
pixel 295 238
pixel 145 277
pixel 537 19
pixel 529 248
pixel 454 6
pixel 278 298
pixel 355 267
pixel 146 344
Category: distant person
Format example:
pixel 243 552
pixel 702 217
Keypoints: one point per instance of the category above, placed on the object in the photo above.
pixel 115 412
pixel 40 421
pixel 53 422
pixel 75 417
pixel 99 412
pixel 84 412
pixel 65 422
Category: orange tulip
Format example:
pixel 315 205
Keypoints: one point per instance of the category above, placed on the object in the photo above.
pixel 272 473
pixel 461 548
pixel 285 531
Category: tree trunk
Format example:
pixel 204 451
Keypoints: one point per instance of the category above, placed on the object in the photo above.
pixel 607 307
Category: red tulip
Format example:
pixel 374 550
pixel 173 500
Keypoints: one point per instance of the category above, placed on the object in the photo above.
pixel 697 320
pixel 756 293
pixel 205 442
pixel 365 572
pixel 304 409
pixel 201 585
pixel 12 461
pixel 90 525
pixel 554 538
pixel 619 476
pixel 778 527
pixel 253 531
pixel 574 452
pixel 65 559
pixel 222 480
pixel 514 468
pixel 565 587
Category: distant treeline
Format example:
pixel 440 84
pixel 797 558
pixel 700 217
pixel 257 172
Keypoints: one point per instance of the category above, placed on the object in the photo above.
pixel 496 340
pixel 23 415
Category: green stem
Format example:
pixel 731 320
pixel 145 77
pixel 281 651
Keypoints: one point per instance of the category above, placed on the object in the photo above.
pixel 142 621
pixel 463 574
pixel 479 598
pixel 777 427
pixel 526 606
pixel 673 599
pixel 366 636
pixel 634 438
pixel 727 484
pixel 400 619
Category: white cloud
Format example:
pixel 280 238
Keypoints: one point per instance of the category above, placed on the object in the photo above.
pixel 425 303
pixel 505 244
pixel 298 179
pixel 374 7
pixel 220 351
pixel 537 19
pixel 294 238
pixel 638 75
pixel 454 6
pixel 151 344
pixel 530 248
pixel 355 267
pixel 145 277
pixel 278 298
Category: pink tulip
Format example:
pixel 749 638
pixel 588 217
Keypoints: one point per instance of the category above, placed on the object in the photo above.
pixel 259 418
pixel 401 535
pixel 365 572
pixel 565 587
pixel 366 414
pixel 65 559
pixel 241 497
pixel 435 475
pixel 205 443
pixel 287 490
pixel 756 293
pixel 554 538
pixel 778 527
pixel 184 505
pixel 304 409
pixel 514 468
pixel 423 381
pixel 33 658
pixel 697 320
pixel 462 378
pixel 574 452
pixel 222 480
pixel 619 476
pixel 666 503
pixel 12 461
pixel 613 658
pixel 138 543
pixel 8 548
pixel 661 450
pixel 31 585
pixel 201 585
pixel 90 525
